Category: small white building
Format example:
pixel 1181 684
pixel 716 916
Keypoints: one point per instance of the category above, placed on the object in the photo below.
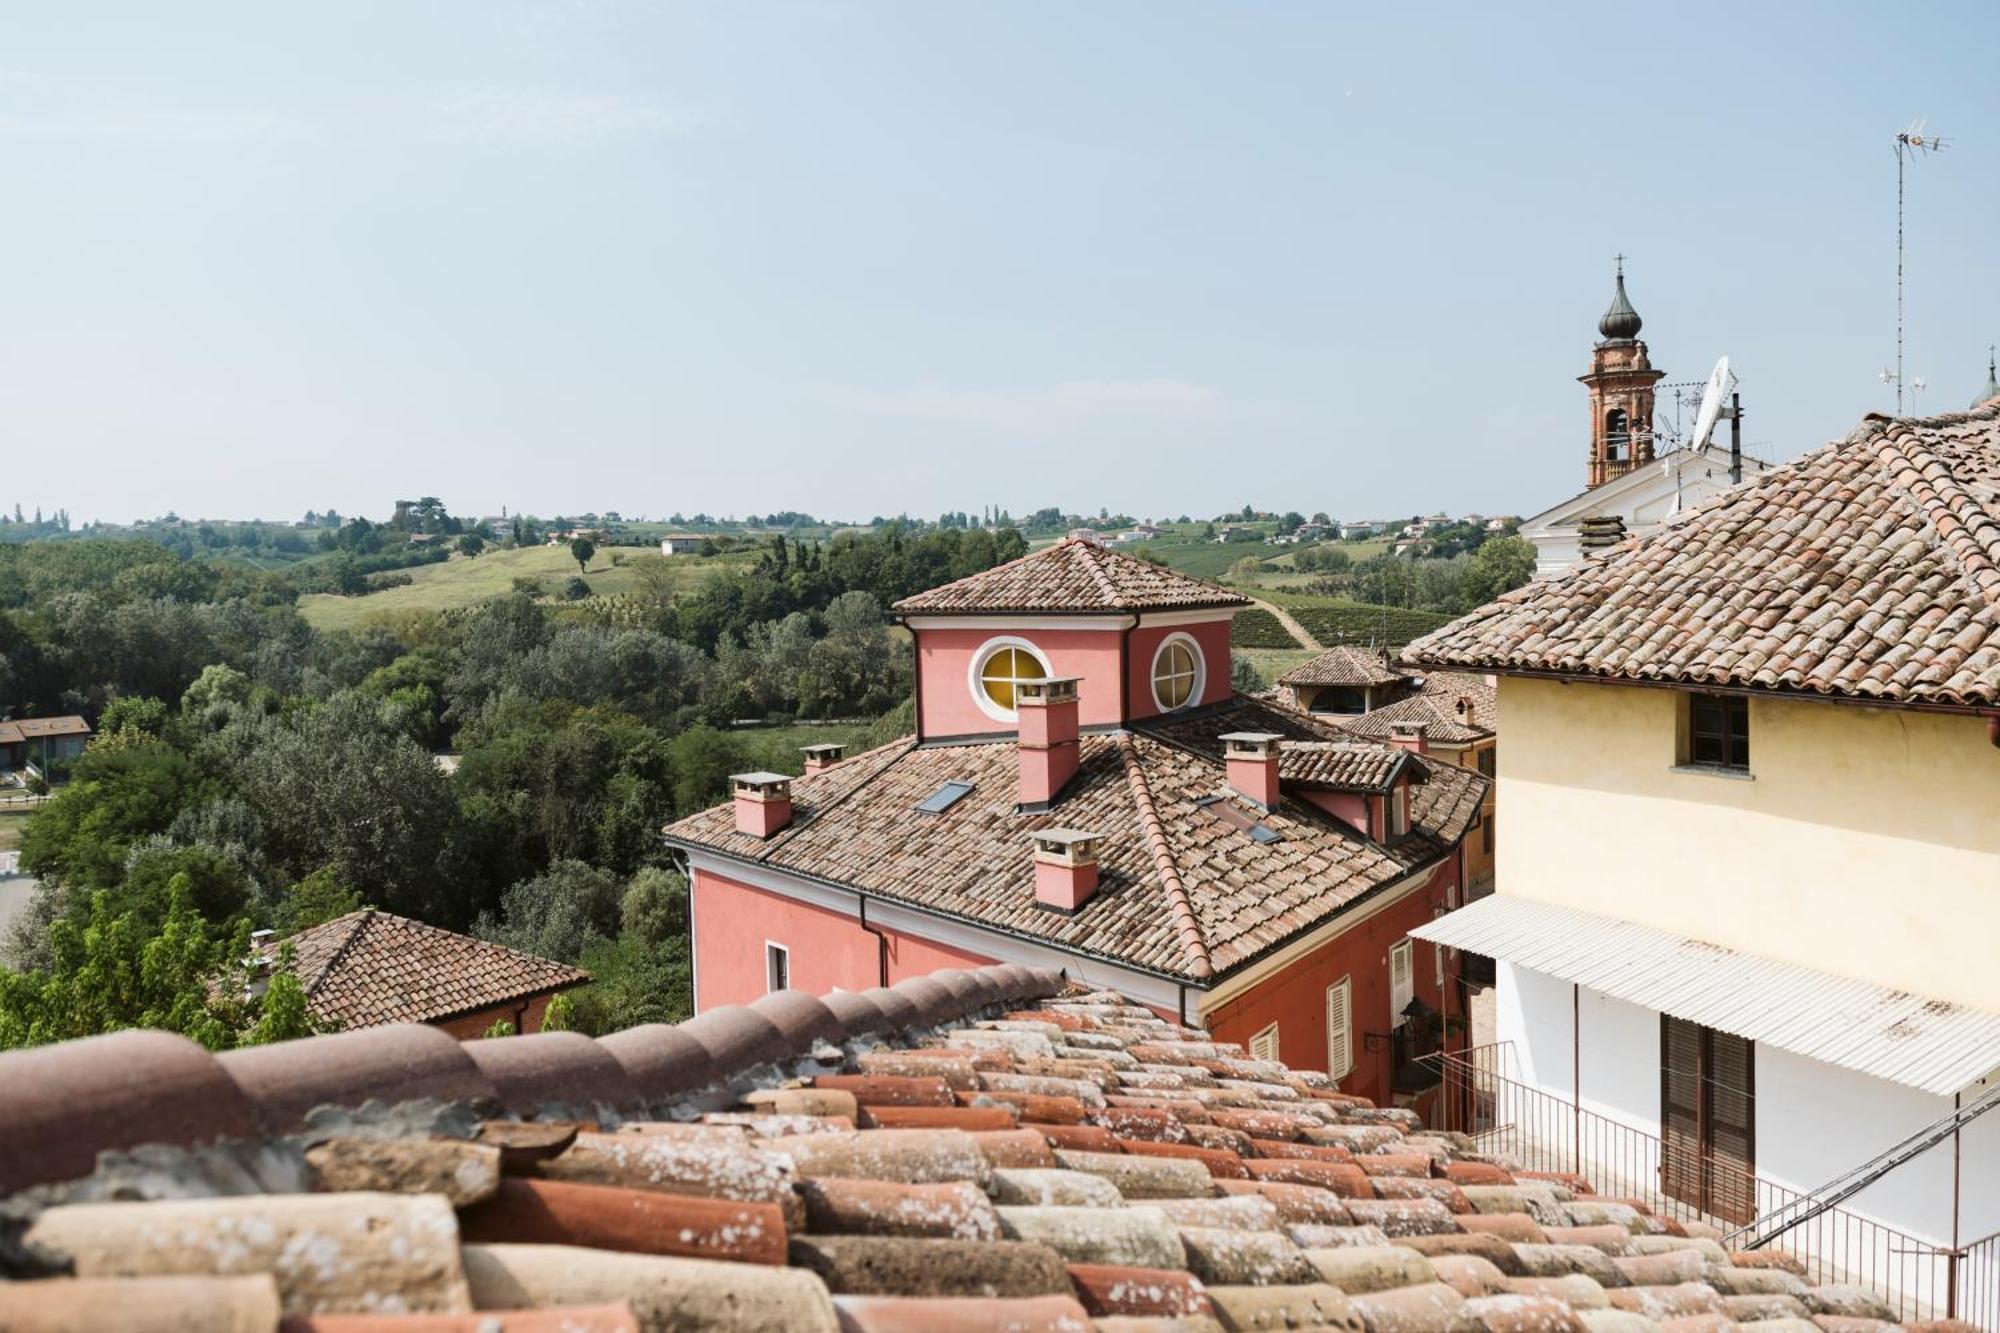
pixel 1640 500
pixel 682 544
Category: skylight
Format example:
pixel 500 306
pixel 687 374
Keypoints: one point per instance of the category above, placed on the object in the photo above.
pixel 1220 809
pixel 944 798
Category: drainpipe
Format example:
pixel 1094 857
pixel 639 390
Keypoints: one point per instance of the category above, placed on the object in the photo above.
pixel 1576 1076
pixel 917 669
pixel 881 942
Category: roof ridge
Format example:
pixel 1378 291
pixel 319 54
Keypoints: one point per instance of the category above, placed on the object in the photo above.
pixel 1092 565
pixel 1200 965
pixel 362 919
pixel 1959 528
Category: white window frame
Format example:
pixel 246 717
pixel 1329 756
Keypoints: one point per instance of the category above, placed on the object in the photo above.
pixel 1340 1044
pixel 1399 997
pixel 1264 1044
pixel 1200 659
pixel 776 956
pixel 977 667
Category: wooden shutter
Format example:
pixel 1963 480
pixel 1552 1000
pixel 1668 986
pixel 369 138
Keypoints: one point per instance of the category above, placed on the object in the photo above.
pixel 1339 1028
pixel 1708 1117
pixel 1680 1109
pixel 1402 983
pixel 1730 1124
pixel 1264 1046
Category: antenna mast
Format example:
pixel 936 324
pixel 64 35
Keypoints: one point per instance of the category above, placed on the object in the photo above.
pixel 1910 143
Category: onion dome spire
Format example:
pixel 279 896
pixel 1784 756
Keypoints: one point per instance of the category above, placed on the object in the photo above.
pixel 1621 321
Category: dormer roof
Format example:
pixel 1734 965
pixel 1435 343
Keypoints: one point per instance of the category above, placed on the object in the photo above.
pixel 1072 577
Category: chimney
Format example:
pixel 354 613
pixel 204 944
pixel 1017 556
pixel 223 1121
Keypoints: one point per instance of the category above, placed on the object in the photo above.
pixel 763 803
pixel 1065 868
pixel 1411 736
pixel 1048 746
pixel 1251 764
pixel 820 758
pixel 1601 531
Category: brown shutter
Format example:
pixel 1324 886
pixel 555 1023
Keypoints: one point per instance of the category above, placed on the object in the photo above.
pixel 1680 1109
pixel 1731 1127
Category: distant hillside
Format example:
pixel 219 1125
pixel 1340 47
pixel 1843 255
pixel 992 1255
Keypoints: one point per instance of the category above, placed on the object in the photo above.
pixel 468 580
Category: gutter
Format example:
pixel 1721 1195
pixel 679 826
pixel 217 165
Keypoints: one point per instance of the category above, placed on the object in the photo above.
pixel 1991 715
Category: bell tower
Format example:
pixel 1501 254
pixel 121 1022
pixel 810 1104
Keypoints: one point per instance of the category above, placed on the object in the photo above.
pixel 1620 382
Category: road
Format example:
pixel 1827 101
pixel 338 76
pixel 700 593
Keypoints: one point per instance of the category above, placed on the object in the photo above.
pixel 1292 627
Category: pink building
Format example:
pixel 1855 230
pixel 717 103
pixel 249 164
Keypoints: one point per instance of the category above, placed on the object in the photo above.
pixel 1085 792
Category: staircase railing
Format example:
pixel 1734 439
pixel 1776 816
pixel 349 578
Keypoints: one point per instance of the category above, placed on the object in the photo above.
pixel 1544 1132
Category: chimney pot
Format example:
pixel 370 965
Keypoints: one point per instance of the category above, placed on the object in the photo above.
pixel 823 756
pixel 1250 762
pixel 1048 738
pixel 1411 736
pixel 763 803
pixel 1065 867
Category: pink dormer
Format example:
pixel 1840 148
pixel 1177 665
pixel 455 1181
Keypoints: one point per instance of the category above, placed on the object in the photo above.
pixel 1139 639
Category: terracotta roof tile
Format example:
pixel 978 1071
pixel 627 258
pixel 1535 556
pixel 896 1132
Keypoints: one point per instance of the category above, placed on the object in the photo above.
pixel 1181 892
pixel 371 967
pixel 1869 568
pixel 1072 576
pixel 725 1217
pixel 1343 665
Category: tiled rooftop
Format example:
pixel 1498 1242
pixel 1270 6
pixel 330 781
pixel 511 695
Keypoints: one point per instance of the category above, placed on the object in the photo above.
pixel 36 728
pixel 1344 765
pixel 373 967
pixel 1343 665
pixel 1181 892
pixel 1073 576
pixel 967 1151
pixel 1869 568
pixel 1455 708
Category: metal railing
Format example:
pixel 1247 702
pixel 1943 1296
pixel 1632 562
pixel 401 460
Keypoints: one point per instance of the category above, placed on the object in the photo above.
pixel 1543 1132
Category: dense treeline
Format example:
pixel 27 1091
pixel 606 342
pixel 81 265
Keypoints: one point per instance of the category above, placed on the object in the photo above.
pixel 251 772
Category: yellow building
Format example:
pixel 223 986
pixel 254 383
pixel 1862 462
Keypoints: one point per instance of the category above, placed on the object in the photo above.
pixel 1748 908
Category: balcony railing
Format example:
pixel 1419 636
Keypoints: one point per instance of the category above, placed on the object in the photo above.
pixel 1918 1279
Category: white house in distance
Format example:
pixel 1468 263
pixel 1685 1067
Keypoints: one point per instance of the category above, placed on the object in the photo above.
pixel 1748 905
pixel 1628 489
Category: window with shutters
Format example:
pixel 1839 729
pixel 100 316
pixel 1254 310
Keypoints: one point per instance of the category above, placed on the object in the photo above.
pixel 1264 1046
pixel 1402 983
pixel 1708 1114
pixel 1340 1028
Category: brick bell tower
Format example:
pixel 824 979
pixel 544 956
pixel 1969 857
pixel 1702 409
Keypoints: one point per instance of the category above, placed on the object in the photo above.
pixel 1620 382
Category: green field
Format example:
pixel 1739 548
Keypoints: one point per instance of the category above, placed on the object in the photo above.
pixel 11 825
pixel 1272 663
pixel 468 580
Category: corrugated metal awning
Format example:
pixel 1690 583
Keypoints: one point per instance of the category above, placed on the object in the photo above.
pixel 1859 1025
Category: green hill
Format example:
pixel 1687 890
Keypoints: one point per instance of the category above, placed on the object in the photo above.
pixel 468 580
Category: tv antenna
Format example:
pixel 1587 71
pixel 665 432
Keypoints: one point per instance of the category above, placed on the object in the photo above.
pixel 1910 144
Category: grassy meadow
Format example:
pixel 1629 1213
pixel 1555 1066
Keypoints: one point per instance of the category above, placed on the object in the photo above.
pixel 469 580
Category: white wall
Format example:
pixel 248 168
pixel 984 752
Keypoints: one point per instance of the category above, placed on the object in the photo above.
pixel 1814 1120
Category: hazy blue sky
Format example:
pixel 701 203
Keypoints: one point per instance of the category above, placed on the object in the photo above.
pixel 857 258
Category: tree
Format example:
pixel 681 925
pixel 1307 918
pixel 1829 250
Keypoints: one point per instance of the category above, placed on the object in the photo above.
pixel 115 798
pixel 471 544
pixel 560 1016
pixel 1291 521
pixel 557 914
pixel 1243 677
pixel 109 971
pixel 314 901
pixel 581 549
pixel 1501 564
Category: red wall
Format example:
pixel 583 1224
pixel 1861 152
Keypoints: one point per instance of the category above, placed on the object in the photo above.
pixel 945 656
pixel 733 921
pixel 1295 999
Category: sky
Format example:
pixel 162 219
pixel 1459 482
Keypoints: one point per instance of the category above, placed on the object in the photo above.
pixel 879 258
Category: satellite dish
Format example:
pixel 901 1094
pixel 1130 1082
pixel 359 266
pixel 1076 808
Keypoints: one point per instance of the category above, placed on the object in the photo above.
pixel 1711 403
